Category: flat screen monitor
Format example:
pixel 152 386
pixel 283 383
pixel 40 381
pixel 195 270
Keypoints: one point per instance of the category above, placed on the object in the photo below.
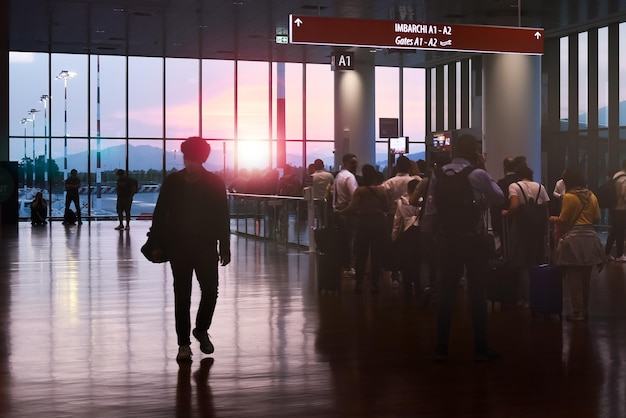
pixel 399 145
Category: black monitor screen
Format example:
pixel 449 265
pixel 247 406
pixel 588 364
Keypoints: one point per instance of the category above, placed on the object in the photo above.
pixel 441 141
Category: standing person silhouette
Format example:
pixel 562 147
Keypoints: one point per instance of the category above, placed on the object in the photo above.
pixel 191 216
pixel 72 184
pixel 126 189
pixel 464 250
pixel 344 186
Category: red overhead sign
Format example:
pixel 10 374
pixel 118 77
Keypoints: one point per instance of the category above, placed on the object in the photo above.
pixel 406 35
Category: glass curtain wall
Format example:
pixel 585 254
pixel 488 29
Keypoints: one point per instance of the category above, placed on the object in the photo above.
pixel 588 126
pixel 97 114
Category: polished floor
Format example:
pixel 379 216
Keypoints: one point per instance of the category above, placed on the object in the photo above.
pixel 87 330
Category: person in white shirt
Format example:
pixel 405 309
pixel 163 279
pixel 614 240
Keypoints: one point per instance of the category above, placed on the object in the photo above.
pixel 559 189
pixel 406 238
pixel 618 229
pixel 343 188
pixel 321 179
pixel 396 187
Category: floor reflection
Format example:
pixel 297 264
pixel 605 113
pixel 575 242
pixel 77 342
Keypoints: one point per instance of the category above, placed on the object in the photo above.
pixel 87 329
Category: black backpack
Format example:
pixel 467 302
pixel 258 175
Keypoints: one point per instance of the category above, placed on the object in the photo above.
pixel 531 215
pixel 606 194
pixel 69 217
pixel 458 211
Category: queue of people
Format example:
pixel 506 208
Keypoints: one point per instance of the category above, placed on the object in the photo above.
pixel 516 202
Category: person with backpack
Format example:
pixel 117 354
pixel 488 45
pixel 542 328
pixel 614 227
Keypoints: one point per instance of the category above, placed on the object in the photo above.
pixel 616 203
pixel 462 191
pixel 528 211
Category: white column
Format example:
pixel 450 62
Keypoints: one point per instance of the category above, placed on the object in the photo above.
pixel 355 110
pixel 512 110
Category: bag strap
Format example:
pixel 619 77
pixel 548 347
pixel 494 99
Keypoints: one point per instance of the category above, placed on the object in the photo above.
pixel 522 190
pixel 524 194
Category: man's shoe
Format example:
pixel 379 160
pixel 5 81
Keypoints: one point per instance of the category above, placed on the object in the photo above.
pixel 487 355
pixel 609 258
pixel 119 227
pixel 184 353
pixel 621 259
pixel 127 227
pixel 206 346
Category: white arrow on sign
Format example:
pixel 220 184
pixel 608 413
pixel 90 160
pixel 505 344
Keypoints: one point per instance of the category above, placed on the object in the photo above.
pixel 537 35
pixel 298 22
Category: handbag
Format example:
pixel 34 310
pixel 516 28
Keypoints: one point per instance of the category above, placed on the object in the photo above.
pixel 150 246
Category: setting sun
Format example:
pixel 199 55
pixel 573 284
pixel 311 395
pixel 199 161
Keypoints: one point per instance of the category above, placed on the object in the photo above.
pixel 253 153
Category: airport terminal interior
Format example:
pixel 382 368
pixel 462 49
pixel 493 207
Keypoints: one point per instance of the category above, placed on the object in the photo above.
pixel 87 323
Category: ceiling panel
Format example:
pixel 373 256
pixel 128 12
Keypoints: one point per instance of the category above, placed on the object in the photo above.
pixel 246 29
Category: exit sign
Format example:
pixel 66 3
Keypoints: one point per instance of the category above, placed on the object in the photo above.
pixel 342 61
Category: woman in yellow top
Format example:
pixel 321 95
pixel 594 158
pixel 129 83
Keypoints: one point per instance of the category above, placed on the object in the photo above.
pixel 580 248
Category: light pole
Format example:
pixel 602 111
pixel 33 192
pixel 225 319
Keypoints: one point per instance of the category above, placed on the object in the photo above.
pixel 44 100
pixel 32 112
pixel 65 75
pixel 25 121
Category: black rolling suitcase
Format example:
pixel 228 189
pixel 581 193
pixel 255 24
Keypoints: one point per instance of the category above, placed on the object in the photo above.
pixel 502 279
pixel 328 273
pixel 327 268
pixel 69 217
pixel 545 287
pixel 502 283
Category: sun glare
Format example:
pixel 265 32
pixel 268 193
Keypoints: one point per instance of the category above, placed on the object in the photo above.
pixel 253 154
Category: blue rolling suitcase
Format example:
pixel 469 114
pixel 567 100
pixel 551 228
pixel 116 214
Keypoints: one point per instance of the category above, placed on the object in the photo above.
pixel 546 290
